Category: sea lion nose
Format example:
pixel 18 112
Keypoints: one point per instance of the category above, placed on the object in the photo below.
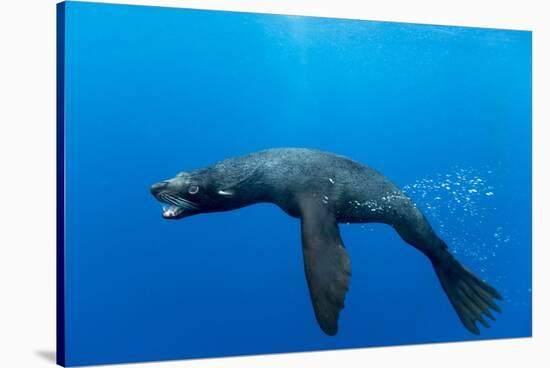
pixel 157 187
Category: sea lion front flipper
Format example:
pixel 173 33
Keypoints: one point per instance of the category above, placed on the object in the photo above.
pixel 326 264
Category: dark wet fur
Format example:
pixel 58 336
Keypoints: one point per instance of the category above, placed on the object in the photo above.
pixel 322 190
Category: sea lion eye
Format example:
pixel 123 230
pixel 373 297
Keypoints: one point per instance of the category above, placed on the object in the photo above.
pixel 193 189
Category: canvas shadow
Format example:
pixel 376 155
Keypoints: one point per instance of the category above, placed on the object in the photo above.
pixel 48 355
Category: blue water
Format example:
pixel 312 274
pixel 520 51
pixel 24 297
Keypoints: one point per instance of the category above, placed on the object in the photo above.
pixel 445 112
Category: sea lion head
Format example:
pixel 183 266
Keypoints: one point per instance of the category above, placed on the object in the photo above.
pixel 190 193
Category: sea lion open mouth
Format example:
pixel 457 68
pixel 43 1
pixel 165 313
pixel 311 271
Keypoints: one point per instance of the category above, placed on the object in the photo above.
pixel 177 207
pixel 172 212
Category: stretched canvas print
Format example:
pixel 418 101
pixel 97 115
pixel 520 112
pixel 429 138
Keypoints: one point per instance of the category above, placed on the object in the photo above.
pixel 228 182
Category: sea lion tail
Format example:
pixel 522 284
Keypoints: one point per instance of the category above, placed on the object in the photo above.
pixel 470 296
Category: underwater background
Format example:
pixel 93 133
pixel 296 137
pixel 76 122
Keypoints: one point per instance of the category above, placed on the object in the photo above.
pixel 444 112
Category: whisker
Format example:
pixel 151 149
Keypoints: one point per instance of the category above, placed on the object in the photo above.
pixel 183 201
pixel 178 201
pixel 172 199
pixel 167 198
pixel 189 203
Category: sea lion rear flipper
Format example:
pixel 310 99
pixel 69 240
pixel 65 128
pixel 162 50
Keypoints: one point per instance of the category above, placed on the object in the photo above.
pixel 326 264
pixel 470 296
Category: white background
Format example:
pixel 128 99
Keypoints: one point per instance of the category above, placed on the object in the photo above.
pixel 27 182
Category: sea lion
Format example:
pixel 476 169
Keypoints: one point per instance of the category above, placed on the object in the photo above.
pixel 322 190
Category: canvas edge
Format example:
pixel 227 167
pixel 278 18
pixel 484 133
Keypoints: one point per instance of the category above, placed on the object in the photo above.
pixel 205 7
pixel 60 185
